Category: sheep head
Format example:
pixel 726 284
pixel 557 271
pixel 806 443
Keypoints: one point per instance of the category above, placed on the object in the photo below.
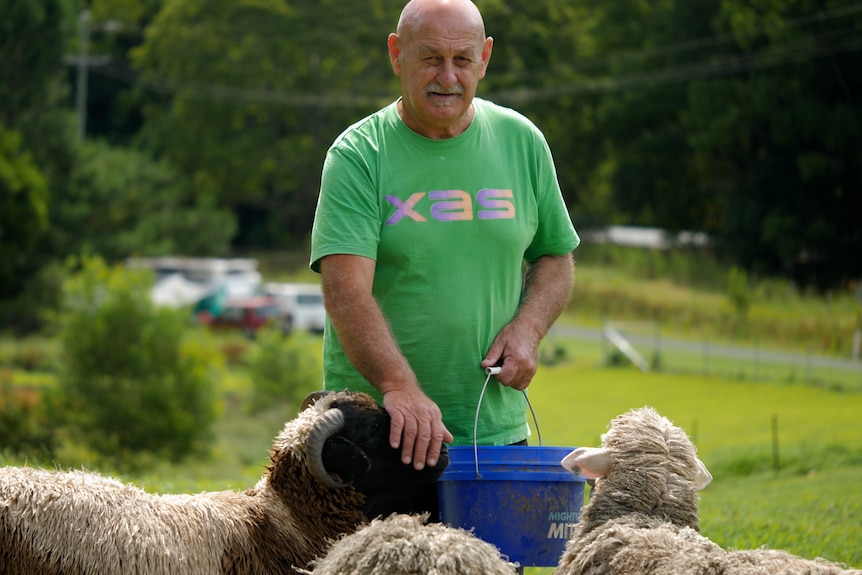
pixel 645 465
pixel 360 453
pixel 345 442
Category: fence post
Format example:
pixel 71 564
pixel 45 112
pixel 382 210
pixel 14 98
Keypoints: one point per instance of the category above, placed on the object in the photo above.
pixel 705 356
pixel 757 359
pixel 857 343
pixel 776 464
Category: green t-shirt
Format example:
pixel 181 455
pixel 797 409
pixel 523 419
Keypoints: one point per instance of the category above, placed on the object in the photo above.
pixel 450 224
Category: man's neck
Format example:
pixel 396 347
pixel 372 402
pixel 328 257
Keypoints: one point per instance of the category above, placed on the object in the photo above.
pixel 437 132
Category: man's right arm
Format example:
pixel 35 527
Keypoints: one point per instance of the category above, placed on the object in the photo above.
pixel 417 424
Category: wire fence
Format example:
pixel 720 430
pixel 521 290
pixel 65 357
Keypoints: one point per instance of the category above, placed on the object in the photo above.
pixel 643 345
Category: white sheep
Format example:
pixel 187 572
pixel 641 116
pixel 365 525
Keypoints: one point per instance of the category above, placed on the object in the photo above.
pixel 642 517
pixel 406 545
pixel 324 465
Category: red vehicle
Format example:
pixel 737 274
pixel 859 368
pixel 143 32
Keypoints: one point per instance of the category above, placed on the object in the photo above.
pixel 247 315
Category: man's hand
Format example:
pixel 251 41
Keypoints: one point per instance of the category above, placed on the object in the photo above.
pixel 417 426
pixel 516 351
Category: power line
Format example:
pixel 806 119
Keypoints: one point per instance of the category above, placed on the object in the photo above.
pixel 827 43
pixel 239 96
pixel 588 64
pixel 785 53
pixel 809 48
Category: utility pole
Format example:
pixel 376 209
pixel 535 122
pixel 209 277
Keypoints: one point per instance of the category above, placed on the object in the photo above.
pixel 83 60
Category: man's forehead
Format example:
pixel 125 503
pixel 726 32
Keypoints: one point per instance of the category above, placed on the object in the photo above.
pixel 453 47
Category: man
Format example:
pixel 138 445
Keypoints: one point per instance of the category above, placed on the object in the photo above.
pixel 428 211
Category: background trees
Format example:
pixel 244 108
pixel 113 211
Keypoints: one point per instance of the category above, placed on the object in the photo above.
pixel 261 91
pixel 208 121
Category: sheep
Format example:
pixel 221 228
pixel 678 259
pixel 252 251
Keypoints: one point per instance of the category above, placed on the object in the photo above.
pixel 404 544
pixel 324 466
pixel 642 515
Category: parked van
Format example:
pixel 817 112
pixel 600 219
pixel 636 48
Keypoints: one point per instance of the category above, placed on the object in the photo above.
pixel 301 303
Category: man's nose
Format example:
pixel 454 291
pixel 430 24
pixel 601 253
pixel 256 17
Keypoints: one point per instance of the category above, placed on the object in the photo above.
pixel 446 74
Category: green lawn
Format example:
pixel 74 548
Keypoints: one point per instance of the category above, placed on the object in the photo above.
pixel 811 506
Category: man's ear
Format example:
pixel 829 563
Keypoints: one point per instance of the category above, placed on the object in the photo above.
pixel 486 55
pixel 394 53
pixel 342 458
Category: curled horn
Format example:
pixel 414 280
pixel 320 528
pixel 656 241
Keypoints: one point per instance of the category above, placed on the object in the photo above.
pixel 330 423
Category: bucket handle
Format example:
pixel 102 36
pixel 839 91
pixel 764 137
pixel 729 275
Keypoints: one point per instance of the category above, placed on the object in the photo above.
pixel 489 371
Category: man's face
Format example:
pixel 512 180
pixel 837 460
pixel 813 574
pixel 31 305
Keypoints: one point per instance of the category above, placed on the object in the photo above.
pixel 440 68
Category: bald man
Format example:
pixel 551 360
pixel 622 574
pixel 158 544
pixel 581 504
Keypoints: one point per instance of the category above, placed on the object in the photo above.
pixel 430 211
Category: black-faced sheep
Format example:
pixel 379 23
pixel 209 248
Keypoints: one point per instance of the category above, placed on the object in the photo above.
pixel 324 465
pixel 406 545
pixel 642 517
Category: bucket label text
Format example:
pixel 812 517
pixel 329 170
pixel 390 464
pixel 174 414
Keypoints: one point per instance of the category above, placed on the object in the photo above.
pixel 562 524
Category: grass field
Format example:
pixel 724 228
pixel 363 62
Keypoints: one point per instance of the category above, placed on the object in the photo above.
pixel 811 505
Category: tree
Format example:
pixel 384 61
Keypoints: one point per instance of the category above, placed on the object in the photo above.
pixel 23 215
pixel 35 153
pixel 784 139
pixel 734 118
pixel 256 97
pixel 540 65
pixel 137 380
pixel 131 204
pixel 31 50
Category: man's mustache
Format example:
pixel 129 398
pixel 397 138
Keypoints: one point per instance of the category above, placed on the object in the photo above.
pixel 438 89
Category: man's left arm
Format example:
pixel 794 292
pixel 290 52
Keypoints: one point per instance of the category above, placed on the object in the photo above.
pixel 547 289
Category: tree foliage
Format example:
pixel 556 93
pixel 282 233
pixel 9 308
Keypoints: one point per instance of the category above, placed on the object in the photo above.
pixel 32 40
pixel 249 113
pixel 127 360
pixel 283 368
pixel 132 205
pixel 35 148
pixel 736 117
pixel 740 119
pixel 23 214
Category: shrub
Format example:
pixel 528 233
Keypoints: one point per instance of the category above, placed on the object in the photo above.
pixel 283 368
pixel 138 378
pixel 28 418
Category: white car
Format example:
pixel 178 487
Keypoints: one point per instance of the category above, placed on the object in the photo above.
pixel 301 303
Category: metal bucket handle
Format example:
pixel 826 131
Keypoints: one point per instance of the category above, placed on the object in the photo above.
pixel 489 371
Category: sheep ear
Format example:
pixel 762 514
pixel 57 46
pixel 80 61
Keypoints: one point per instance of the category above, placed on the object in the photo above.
pixel 342 458
pixel 703 477
pixel 589 462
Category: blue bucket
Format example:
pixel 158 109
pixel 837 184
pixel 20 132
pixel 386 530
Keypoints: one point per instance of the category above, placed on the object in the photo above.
pixel 518 498
pixel 524 502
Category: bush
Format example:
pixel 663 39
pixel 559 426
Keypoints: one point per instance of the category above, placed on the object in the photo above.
pixel 283 368
pixel 29 418
pixel 138 378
